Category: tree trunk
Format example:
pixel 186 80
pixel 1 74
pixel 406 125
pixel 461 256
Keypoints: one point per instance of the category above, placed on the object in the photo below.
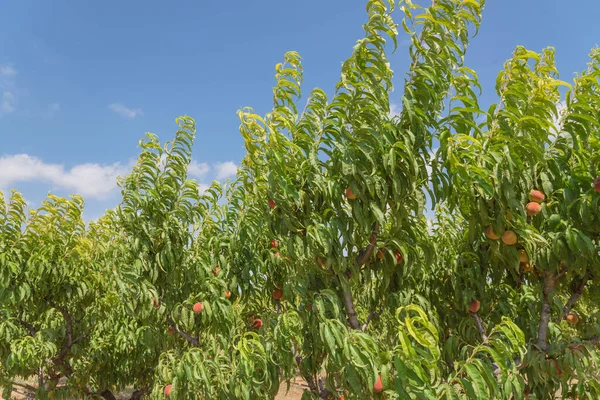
pixel 107 394
pixel 542 341
pixel 349 303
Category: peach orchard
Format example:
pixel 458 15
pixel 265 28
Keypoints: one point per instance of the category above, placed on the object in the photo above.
pixel 318 261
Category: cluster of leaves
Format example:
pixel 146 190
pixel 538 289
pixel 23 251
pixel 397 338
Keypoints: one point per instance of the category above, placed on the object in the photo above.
pixel 318 259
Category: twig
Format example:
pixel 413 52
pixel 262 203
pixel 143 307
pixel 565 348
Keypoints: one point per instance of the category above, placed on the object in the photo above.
pixel 194 341
pixel 365 253
pixel 574 297
pixel 371 315
pixel 40 377
pixel 30 328
pixel 479 323
pixel 108 395
pixel 25 386
pixel 77 339
pixel 312 385
pixel 138 394
pixel 593 340
pixel 26 394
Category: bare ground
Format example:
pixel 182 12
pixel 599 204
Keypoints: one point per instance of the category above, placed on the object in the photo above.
pixel 295 392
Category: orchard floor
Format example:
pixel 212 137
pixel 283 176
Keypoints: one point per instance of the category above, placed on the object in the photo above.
pixel 295 392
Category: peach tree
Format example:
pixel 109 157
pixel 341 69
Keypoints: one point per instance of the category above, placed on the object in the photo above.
pixel 320 259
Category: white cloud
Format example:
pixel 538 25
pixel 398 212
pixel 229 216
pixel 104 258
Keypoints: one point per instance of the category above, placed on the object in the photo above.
pixel 89 180
pixel 7 70
pixel 395 110
pixel 202 187
pixel 7 103
pixel 198 169
pixel 126 112
pixel 226 169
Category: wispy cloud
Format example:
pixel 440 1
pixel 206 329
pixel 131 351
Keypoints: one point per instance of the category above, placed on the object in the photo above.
pixel 7 71
pixel 126 112
pixel 226 169
pixel 395 110
pixel 8 99
pixel 7 103
pixel 91 180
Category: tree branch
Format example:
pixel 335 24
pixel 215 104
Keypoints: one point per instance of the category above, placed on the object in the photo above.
pixel 68 334
pixel 371 315
pixel 25 386
pixel 574 297
pixel 349 303
pixel 27 395
pixel 312 385
pixel 542 341
pixel 362 258
pixel 30 328
pixel 365 253
pixel 108 395
pixel 194 341
pixel 479 323
pixel 138 394
pixel 593 340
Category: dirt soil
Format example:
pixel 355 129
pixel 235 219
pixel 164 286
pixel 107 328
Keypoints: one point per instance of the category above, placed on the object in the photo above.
pixel 295 392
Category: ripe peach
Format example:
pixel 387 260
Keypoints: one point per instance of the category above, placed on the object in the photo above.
pixel 171 331
pixel 277 255
pixel 597 184
pixel 272 203
pixel 378 386
pixel 533 209
pixel 489 232
pixel 257 323
pixel 274 244
pixel 523 257
pixel 536 196
pixel 277 294
pixel 216 271
pixel 349 194
pixel 168 390
pixel 398 256
pixel 572 318
pixel 474 307
pixel 227 294
pixel 197 308
pixel 509 238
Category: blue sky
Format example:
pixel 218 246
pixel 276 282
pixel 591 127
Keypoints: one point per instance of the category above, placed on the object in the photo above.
pixel 81 82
